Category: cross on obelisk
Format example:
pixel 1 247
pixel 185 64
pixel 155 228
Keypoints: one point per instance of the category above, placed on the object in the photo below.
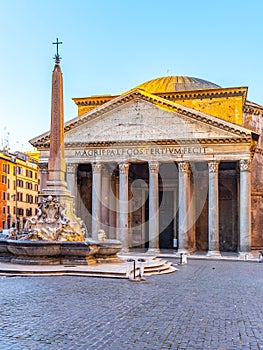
pixel 57 43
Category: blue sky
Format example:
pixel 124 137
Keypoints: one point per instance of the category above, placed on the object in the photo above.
pixel 110 46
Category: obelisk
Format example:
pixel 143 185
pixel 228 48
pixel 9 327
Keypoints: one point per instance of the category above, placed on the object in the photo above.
pixel 56 183
pixel 57 219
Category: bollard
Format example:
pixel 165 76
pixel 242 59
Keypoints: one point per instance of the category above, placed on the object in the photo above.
pixel 130 265
pixel 141 262
pixel 183 259
pixel 260 259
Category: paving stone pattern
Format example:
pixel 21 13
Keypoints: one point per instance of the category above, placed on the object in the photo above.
pixel 205 305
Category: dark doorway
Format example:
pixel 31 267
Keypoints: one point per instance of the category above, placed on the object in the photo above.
pixel 166 217
pixel 147 222
pixel 228 210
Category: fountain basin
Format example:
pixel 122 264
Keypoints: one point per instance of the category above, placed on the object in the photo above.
pixel 58 252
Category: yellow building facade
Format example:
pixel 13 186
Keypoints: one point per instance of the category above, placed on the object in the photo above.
pixel 21 174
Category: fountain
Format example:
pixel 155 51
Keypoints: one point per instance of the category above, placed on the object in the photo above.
pixel 55 235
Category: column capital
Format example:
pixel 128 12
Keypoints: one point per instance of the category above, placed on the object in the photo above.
pixel 71 167
pixel 153 166
pixel 244 164
pixel 213 166
pixel 105 171
pixel 96 168
pixel 184 167
pixel 124 168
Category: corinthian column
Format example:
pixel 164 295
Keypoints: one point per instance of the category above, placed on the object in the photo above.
pixel 105 195
pixel 124 206
pixel 183 224
pixel 112 204
pixel 245 207
pixel 213 210
pixel 153 208
pixel 96 198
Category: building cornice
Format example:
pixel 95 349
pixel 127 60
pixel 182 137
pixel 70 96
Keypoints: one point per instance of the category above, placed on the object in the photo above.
pixel 132 95
pixel 94 101
pixel 253 108
pixel 142 143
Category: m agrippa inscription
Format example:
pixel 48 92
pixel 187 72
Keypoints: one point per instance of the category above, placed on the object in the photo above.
pixel 139 151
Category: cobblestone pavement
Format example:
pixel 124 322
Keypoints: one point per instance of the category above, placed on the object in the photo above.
pixel 205 305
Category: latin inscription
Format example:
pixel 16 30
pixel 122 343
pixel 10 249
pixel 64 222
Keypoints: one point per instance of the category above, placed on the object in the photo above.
pixel 140 151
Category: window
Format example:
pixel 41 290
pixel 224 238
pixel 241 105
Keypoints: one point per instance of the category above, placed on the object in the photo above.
pixel 8 209
pixel 4 210
pixel 4 196
pixel 29 185
pixel 4 179
pixel 29 198
pixel 20 196
pixel 19 170
pixel 20 211
pixel 20 183
pixel 29 212
pixel 4 168
pixel 8 183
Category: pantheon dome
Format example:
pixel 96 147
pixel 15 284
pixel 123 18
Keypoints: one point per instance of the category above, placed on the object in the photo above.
pixel 176 83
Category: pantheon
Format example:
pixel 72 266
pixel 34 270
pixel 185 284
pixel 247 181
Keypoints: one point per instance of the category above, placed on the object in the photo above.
pixel 173 163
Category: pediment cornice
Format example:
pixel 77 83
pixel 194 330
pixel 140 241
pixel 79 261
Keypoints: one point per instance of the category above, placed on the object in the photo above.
pixel 136 94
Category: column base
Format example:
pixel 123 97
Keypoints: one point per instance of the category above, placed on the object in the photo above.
pixel 153 251
pixel 187 251
pixel 214 253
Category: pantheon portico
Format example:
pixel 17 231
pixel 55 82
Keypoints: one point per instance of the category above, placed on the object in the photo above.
pixel 169 164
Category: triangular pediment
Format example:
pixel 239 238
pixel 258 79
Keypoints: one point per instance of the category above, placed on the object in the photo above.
pixel 138 116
